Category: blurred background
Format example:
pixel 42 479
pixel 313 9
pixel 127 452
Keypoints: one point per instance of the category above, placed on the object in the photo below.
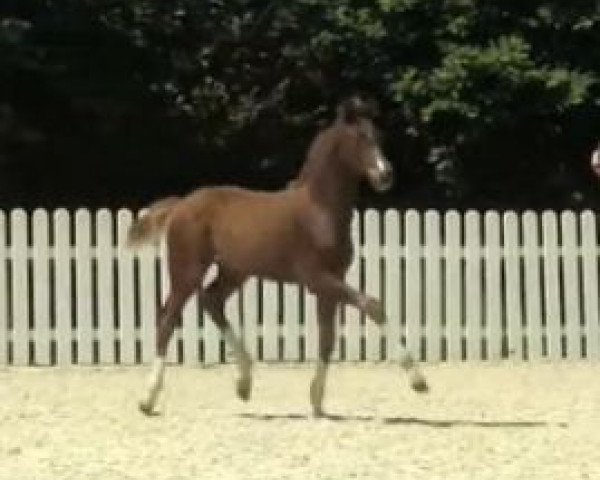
pixel 482 103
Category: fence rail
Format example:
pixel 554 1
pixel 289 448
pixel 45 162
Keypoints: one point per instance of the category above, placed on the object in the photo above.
pixel 456 286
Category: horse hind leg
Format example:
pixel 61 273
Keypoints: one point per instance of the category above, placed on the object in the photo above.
pixel 213 299
pixel 165 326
pixel 183 283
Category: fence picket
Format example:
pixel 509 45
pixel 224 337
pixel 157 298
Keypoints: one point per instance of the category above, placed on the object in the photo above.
pixel 83 287
pixel 393 287
pixel 41 287
pixel 105 287
pixel 433 287
pixel 63 314
pixel 512 285
pixel 124 255
pixel 250 310
pixel 3 291
pixel 20 288
pixel 372 253
pixel 552 293
pixel 589 253
pixel 571 294
pixel 473 287
pixel 493 285
pixel 412 281
pixel 311 342
pixel 291 322
pixel 533 294
pixel 270 318
pixel 352 320
pixel 453 297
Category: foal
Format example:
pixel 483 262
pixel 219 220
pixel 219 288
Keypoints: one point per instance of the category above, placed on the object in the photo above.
pixel 300 234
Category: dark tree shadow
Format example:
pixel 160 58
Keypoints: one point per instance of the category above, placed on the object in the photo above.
pixel 405 421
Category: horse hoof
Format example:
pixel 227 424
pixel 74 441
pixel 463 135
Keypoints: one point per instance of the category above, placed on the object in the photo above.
pixel 376 311
pixel 419 385
pixel 318 412
pixel 146 409
pixel 244 389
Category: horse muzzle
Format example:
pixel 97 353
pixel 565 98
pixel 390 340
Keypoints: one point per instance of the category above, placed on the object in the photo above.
pixel 381 177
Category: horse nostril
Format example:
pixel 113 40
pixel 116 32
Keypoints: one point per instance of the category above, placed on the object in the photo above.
pixel 381 176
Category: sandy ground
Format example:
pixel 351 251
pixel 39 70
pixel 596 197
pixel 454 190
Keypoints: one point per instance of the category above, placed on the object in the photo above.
pixel 479 422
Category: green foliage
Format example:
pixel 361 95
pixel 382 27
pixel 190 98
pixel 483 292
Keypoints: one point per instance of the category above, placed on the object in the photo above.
pixel 159 95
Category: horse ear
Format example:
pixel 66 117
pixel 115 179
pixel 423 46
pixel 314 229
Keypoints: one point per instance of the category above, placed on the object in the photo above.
pixel 350 110
pixel 353 108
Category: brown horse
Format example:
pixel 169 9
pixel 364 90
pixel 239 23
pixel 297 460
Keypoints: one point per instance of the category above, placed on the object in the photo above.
pixel 300 234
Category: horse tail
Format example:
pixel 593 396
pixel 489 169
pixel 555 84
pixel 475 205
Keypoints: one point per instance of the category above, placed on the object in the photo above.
pixel 152 223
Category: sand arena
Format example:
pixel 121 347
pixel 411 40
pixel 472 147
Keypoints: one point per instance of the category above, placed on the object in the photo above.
pixel 486 421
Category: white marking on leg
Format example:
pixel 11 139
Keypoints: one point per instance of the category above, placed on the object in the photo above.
pixel 317 388
pixel 241 356
pixel 155 385
pixel 212 273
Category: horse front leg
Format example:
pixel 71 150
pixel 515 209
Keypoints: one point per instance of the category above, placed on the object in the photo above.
pixel 213 298
pixel 328 285
pixel 326 308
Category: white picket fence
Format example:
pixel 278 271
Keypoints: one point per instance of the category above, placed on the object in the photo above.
pixel 470 286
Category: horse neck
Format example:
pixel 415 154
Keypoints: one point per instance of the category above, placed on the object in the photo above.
pixel 328 184
pixel 332 192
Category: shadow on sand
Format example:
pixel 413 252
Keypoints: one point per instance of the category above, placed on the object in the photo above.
pixel 406 421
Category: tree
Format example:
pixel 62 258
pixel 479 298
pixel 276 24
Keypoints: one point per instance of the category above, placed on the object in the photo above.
pixel 113 102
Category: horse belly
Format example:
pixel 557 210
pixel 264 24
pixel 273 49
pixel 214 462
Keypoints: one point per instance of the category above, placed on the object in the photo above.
pixel 258 245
